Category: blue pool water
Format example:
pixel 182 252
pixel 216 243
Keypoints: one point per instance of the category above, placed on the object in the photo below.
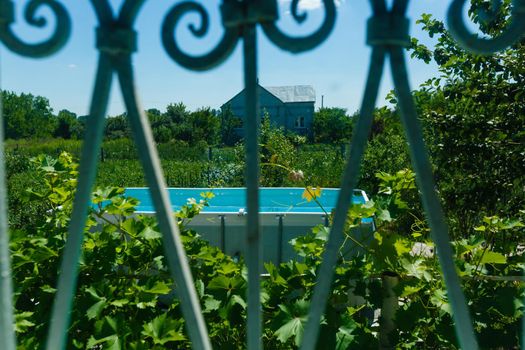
pixel 231 200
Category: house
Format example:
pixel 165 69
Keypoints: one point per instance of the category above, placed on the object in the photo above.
pixel 289 107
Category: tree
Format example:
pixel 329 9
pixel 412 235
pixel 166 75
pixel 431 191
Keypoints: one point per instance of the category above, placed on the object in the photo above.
pixel 332 125
pixel 177 117
pixel 78 129
pixel 27 116
pixel 160 125
pixel 229 124
pixel 278 154
pixel 386 151
pixel 153 112
pixel 474 117
pixel 202 125
pixel 205 126
pixel 67 125
pixel 117 127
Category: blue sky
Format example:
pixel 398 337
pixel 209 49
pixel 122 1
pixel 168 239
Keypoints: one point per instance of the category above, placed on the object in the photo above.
pixel 337 69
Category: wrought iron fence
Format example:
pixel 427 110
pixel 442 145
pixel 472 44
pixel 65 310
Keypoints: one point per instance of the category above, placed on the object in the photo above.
pixel 388 35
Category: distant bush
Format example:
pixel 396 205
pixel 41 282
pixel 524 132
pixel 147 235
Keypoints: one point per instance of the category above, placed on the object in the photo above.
pixel 180 150
pixel 53 147
pixel 129 173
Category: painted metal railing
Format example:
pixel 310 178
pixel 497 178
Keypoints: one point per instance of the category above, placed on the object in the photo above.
pixel 388 35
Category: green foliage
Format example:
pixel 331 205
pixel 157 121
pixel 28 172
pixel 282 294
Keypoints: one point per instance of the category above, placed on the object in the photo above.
pixel 117 127
pixel 68 126
pixel 27 116
pixel 332 125
pixel 401 247
pixel 204 126
pixel 277 154
pixel 322 165
pixel 53 147
pixel 177 123
pixel 127 300
pixel 294 319
pixel 387 149
pixel 474 117
pixel 229 125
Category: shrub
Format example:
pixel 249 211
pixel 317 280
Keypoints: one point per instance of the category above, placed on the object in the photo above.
pixel 126 297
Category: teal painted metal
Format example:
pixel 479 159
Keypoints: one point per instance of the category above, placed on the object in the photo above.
pixel 253 228
pixel 350 177
pixel 239 20
pixel 7 331
pixel 54 43
pixel 388 33
pixel 484 46
pixel 116 41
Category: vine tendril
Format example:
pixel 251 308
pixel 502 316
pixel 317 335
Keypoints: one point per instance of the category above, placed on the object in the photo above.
pixel 476 44
pixel 51 45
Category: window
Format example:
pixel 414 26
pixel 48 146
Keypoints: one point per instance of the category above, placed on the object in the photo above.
pixel 299 122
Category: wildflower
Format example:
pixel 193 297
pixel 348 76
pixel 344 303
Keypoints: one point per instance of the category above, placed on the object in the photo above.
pixel 296 175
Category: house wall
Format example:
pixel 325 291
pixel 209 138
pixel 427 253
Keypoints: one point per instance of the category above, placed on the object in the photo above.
pixel 296 110
pixel 281 114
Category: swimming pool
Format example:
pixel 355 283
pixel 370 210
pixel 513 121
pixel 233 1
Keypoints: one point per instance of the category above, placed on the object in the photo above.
pixel 233 200
pixel 284 215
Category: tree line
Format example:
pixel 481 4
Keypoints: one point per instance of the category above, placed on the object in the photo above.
pixel 31 117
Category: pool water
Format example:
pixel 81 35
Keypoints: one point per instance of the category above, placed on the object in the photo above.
pixel 233 200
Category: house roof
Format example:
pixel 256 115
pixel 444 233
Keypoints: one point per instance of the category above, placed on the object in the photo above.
pixel 297 93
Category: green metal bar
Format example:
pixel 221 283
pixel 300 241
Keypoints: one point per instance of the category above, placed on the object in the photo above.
pixel 103 11
pixel 251 137
pixel 433 210
pixel 389 306
pixel 350 178
pixel 280 236
pixel 173 248
pixel 222 234
pixel 60 315
pixel 7 329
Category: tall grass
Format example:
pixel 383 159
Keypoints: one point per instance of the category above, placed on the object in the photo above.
pixel 183 165
pixel 111 149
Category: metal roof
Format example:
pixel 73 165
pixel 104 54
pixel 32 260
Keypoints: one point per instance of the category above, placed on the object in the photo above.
pixel 297 93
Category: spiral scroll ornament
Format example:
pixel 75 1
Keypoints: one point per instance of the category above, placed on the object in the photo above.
pixel 214 57
pixel 235 15
pixel 472 42
pixel 54 43
pixel 300 44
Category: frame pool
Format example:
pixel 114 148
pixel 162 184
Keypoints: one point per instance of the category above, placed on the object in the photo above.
pixel 284 215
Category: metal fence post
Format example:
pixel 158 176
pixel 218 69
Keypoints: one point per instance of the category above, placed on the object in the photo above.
pixel 389 307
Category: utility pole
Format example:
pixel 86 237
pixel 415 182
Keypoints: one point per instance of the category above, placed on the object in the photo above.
pixel 322 101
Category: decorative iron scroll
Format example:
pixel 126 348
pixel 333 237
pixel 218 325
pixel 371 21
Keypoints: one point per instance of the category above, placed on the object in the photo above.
pixel 46 48
pixel 388 34
pixel 257 12
pixel 475 44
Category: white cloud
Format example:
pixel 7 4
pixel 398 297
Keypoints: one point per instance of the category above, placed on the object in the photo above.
pixel 309 4
pixel 72 66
